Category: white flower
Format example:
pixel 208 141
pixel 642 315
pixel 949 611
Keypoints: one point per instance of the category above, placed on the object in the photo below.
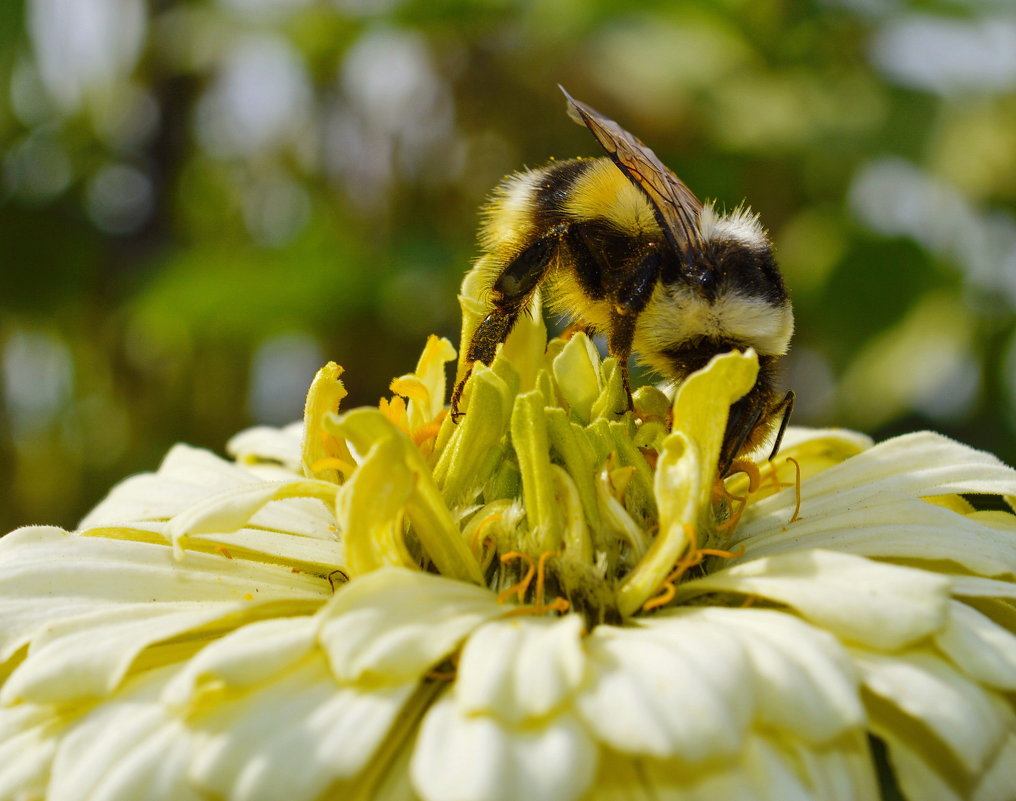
pixel 548 601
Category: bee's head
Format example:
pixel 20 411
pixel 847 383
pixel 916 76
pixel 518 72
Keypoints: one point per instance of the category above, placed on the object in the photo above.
pixel 724 292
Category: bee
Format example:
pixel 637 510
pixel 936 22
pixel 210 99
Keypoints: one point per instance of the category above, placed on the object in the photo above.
pixel 623 247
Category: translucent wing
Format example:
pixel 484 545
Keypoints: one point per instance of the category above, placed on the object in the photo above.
pixel 677 209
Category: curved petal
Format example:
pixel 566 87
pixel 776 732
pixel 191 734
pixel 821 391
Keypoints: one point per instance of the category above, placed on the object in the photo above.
pixel 912 466
pixel 189 476
pixel 463 757
pixel 676 689
pixel 980 647
pixel 48 577
pixel 886 606
pixel 395 624
pixel 969 720
pixel 293 737
pixel 28 742
pixel 126 749
pixel 888 527
pixel 803 679
pixel 520 669
pixel 87 657
pixel 243 658
pixel 260 444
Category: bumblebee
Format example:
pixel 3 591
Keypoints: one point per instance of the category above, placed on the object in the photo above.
pixel 623 247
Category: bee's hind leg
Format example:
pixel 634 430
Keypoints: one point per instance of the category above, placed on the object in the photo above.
pixel 512 292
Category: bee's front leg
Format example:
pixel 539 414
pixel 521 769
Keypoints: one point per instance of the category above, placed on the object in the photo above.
pixel 512 292
pixel 629 297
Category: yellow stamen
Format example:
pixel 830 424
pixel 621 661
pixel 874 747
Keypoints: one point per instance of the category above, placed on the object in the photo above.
pixel 750 469
pixel 483 548
pixel 520 587
pixel 538 607
pixel 721 491
pixel 431 429
pixel 694 556
pixel 541 575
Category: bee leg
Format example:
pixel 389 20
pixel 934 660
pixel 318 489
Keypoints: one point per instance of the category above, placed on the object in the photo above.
pixel 784 408
pixel 512 292
pixel 629 299
pixel 741 421
pixel 622 332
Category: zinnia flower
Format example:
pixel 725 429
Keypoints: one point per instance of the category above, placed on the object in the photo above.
pixel 555 599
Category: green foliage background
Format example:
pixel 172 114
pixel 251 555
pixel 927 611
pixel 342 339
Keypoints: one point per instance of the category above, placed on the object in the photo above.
pixel 201 201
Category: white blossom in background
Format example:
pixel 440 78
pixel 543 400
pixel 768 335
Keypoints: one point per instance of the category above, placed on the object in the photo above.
pixel 85 48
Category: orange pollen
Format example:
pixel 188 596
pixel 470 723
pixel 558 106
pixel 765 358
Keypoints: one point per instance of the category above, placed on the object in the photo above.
pixel 797 489
pixel 224 551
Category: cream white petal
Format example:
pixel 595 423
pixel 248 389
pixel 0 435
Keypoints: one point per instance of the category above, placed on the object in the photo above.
pixel 264 443
pixel 185 476
pixel 803 679
pixel 395 624
pixel 28 740
pixel 232 508
pixel 48 575
pixel 46 562
pixel 886 526
pixel 190 476
pixel 680 689
pixel 244 657
pixel 842 770
pixel 980 647
pixel 970 720
pixel 309 554
pixel 978 587
pixel 997 783
pixel 761 771
pixel 126 749
pixel 520 668
pixel 87 657
pixel 917 465
pixel 462 757
pixel 911 466
pixel 293 737
pixel 919 776
pixel 883 605
pixel 924 773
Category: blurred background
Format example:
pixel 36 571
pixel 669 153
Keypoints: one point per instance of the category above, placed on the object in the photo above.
pixel 202 201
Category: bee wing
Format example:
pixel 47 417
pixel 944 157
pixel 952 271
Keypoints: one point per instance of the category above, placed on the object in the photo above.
pixel 677 209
